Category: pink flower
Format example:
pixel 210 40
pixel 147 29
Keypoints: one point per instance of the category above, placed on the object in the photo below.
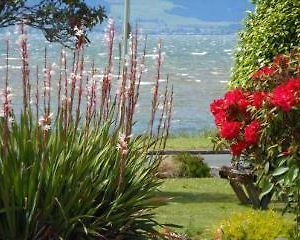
pixel 6 97
pixel 45 122
pixel 122 145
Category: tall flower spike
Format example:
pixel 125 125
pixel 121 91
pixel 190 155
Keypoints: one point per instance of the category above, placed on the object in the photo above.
pixel 23 49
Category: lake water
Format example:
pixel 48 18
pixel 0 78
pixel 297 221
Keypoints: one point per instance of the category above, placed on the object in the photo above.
pixel 198 67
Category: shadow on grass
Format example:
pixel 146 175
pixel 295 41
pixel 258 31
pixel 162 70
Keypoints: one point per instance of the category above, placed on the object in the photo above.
pixel 187 197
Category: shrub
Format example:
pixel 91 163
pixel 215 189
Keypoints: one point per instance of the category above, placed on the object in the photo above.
pixel 70 189
pixel 192 166
pixel 254 225
pixel 261 125
pixel 78 173
pixel 273 28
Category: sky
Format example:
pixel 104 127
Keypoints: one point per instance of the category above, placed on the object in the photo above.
pixel 172 15
pixel 205 10
pixel 175 14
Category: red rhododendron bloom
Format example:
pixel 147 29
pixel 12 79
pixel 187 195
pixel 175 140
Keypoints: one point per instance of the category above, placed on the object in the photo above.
pixel 252 132
pixel 217 106
pixel 243 104
pixel 258 98
pixel 293 84
pixel 236 98
pixel 283 96
pixel 220 118
pixel 264 71
pixel 233 96
pixel 230 130
pixel 237 148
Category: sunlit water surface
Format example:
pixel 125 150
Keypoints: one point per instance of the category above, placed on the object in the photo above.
pixel 198 67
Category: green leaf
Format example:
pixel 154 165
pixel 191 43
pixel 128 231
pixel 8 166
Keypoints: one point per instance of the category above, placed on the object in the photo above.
pixel 267 188
pixel 295 174
pixel 267 167
pixel 280 171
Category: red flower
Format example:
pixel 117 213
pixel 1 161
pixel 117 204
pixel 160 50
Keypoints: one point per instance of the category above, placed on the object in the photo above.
pixel 252 132
pixel 217 106
pixel 293 84
pixel 231 97
pixel 258 98
pixel 264 71
pixel 230 130
pixel 243 104
pixel 237 148
pixel 236 98
pixel 267 70
pixel 220 118
pixel 283 96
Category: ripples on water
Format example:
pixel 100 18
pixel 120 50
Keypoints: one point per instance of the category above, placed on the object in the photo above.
pixel 198 67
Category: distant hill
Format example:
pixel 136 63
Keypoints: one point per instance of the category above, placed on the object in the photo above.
pixel 180 16
pixel 184 16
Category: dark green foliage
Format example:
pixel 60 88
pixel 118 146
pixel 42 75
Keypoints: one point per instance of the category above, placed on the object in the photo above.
pixel 67 187
pixel 274 27
pixel 192 166
pixel 56 19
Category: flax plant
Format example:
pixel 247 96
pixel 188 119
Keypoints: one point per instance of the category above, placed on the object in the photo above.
pixel 79 173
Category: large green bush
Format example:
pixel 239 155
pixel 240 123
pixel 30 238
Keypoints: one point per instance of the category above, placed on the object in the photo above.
pixel 68 188
pixel 274 27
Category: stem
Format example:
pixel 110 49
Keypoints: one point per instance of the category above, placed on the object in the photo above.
pixel 37 93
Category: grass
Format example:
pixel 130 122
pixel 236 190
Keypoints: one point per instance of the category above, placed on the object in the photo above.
pixel 190 142
pixel 198 205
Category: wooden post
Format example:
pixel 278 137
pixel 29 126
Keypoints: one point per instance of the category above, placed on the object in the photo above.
pixel 125 28
pixel 240 193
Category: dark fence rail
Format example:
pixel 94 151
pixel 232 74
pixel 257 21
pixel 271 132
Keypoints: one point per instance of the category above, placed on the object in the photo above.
pixel 193 152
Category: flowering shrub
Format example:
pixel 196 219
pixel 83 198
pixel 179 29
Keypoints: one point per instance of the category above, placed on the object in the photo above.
pixel 73 170
pixel 261 124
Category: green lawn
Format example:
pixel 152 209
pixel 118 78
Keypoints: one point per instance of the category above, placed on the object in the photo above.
pixel 190 142
pixel 198 204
